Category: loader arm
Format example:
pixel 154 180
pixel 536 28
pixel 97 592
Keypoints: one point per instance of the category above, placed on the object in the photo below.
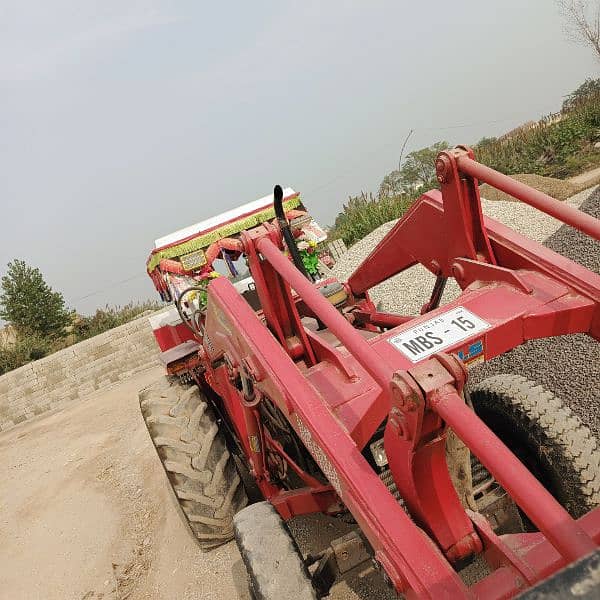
pixel 359 373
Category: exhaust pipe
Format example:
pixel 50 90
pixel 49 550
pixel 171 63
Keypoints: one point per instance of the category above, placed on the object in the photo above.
pixel 286 232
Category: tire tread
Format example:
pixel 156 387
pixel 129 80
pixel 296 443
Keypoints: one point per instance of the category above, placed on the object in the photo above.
pixel 553 426
pixel 196 460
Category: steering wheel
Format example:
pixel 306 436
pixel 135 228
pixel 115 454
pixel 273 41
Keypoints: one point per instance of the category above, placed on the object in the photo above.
pixel 192 317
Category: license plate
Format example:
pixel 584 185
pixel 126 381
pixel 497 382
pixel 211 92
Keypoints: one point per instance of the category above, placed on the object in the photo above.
pixel 439 333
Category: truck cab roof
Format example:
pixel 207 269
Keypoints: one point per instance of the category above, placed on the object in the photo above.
pixel 225 217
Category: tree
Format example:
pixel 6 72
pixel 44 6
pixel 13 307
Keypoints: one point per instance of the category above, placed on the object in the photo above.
pixel 582 22
pixel 391 185
pixel 30 305
pixel 417 171
pixel 419 167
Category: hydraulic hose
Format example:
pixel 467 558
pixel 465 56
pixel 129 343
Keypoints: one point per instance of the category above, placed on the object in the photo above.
pixel 286 232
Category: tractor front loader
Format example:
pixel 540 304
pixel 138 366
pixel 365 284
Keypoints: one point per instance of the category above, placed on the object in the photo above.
pixel 300 388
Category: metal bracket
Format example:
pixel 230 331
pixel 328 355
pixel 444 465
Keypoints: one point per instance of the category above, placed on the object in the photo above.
pixel 344 554
pixel 467 271
pixel 415 444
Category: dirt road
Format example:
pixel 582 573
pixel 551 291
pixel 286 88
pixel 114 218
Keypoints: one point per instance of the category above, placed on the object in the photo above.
pixel 85 514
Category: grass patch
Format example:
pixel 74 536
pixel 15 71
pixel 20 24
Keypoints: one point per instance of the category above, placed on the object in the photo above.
pixel 553 148
pixel 362 214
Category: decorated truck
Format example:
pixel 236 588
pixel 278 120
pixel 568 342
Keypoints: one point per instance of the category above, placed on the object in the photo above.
pixel 191 257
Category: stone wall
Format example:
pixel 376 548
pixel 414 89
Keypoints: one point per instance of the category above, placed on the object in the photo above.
pixel 76 372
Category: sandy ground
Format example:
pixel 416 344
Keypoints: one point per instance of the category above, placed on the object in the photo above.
pixel 85 514
pixel 587 179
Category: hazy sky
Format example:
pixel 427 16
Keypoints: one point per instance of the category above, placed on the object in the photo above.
pixel 121 121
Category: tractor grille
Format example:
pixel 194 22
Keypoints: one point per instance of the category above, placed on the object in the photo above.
pixel 493 502
pixel 483 482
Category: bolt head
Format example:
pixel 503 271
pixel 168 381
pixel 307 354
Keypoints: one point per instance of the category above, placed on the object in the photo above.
pixel 441 169
pixel 458 272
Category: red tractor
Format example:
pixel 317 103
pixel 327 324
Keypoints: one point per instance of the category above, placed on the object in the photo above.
pixel 295 384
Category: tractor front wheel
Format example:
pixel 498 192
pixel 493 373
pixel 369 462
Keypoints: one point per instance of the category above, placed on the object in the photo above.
pixel 545 435
pixel 200 470
pixel 270 554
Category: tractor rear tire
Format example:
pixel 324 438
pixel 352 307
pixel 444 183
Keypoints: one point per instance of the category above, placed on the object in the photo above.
pixel 200 469
pixel 545 435
pixel 272 558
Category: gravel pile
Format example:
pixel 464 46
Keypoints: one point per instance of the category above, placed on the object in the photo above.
pixel 568 366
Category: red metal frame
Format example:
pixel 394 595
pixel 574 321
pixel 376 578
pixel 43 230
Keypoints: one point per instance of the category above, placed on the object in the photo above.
pixel 336 395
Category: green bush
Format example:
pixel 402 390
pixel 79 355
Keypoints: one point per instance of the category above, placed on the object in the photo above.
pixel 24 350
pixel 554 148
pixel 362 214
pixel 590 87
pixel 110 317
